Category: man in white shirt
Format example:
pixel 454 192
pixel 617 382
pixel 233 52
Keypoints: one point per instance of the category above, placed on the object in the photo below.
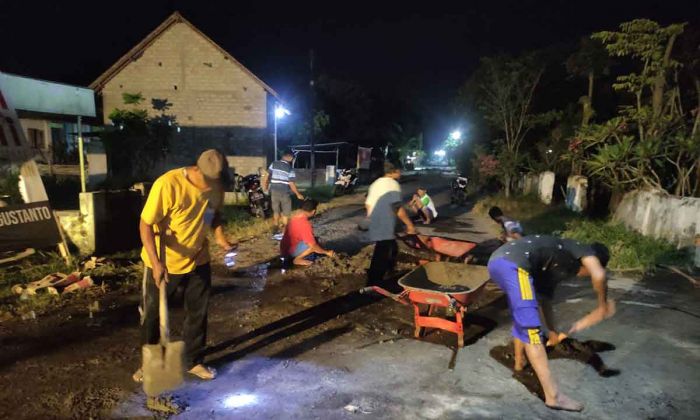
pixel 383 206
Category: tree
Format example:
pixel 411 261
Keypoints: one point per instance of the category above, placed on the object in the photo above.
pixel 299 129
pixel 591 60
pixel 652 44
pixel 405 143
pixel 136 141
pixel 652 142
pixel 349 106
pixel 503 91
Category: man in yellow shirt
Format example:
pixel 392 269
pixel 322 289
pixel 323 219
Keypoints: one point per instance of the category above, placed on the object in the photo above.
pixel 182 206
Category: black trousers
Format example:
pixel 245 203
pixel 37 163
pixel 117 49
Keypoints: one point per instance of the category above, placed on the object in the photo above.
pixel 197 285
pixel 383 261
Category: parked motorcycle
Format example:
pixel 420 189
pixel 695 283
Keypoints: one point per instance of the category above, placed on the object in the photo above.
pixel 345 182
pixel 458 186
pixel 258 203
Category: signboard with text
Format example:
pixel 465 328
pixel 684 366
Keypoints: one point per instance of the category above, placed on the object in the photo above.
pixel 29 225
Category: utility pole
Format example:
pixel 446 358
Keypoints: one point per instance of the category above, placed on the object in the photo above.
pixel 81 158
pixel 313 117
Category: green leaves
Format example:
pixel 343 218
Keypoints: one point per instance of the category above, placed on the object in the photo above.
pixel 651 142
pixel 132 98
pixel 136 141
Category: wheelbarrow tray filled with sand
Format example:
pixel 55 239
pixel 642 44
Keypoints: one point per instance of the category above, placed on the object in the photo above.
pixel 439 284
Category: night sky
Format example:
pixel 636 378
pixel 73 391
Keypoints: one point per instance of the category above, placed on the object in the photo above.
pixel 422 54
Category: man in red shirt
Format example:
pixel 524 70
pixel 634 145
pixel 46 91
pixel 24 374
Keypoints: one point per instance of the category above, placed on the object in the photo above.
pixel 298 241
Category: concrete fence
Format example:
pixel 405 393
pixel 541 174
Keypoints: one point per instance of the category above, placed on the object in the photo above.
pixel 657 214
pixel 576 190
pixel 541 184
pixel 107 222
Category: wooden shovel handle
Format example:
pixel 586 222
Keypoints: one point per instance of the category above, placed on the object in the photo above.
pixel 163 300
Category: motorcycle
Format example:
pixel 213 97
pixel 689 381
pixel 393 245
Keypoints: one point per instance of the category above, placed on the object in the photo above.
pixel 258 203
pixel 345 182
pixel 459 190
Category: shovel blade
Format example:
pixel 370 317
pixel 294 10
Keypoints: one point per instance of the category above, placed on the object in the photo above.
pixel 163 367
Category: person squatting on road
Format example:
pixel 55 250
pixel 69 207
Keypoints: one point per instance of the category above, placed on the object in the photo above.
pixel 181 207
pixel 280 182
pixel 531 267
pixel 383 205
pixel 512 229
pixel 423 205
pixel 299 241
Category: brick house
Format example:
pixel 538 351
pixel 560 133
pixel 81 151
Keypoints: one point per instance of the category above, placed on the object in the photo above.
pixel 216 100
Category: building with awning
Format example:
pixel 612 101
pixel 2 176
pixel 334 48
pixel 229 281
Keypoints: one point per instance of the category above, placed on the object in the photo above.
pixel 51 115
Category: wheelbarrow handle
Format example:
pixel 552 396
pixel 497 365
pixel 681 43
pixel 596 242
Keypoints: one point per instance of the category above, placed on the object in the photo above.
pixel 399 297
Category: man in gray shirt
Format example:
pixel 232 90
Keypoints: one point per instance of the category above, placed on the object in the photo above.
pixel 383 206
pixel 280 182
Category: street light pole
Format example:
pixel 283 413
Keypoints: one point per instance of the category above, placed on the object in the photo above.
pixel 280 112
pixel 275 157
pixel 81 158
pixel 313 115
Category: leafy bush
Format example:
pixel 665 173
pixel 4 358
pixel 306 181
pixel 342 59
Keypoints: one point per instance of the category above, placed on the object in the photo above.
pixel 9 185
pixel 628 249
pixel 62 191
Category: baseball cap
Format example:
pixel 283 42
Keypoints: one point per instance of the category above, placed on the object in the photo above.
pixel 212 164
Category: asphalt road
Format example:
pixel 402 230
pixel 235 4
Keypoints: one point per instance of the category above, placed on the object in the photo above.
pixel 309 346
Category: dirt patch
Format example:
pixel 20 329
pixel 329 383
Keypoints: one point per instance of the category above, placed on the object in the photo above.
pixel 93 401
pixel 570 348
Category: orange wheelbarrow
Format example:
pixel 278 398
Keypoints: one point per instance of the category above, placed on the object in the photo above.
pixel 439 284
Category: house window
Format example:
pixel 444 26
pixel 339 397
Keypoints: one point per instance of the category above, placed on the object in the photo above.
pixel 36 138
pixel 14 132
pixel 3 139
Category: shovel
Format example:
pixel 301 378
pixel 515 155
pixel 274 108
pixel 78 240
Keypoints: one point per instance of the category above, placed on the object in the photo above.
pixel 163 363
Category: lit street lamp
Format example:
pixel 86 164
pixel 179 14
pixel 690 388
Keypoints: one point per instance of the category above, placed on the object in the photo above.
pixel 455 135
pixel 280 112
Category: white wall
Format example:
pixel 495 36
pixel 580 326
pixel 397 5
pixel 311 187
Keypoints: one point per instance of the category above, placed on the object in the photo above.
pixel 576 187
pixel 546 186
pixel 657 214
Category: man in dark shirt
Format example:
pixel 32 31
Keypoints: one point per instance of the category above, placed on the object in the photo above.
pixel 532 266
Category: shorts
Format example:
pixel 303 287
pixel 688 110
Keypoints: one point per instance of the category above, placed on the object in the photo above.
pixel 300 248
pixel 517 284
pixel 281 203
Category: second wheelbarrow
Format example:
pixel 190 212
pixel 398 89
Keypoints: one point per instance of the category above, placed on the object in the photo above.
pixel 439 284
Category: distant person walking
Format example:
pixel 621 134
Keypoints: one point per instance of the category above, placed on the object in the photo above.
pixel 383 205
pixel 280 182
